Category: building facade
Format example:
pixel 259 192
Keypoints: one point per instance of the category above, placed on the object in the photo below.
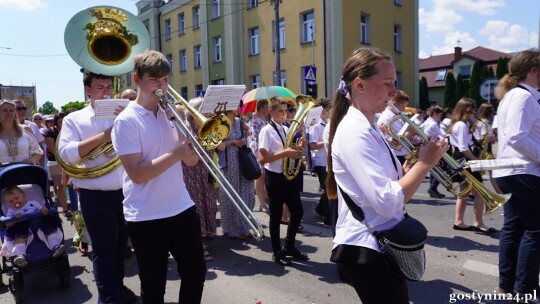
pixel 24 93
pixel 232 42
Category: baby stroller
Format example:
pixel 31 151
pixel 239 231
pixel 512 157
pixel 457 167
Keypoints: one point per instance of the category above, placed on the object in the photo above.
pixel 33 180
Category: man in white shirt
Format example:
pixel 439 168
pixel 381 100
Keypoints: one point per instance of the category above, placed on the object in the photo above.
pixel 518 119
pixel 318 157
pixel 161 215
pixel 100 197
pixel 271 153
pixel 401 100
pixel 431 129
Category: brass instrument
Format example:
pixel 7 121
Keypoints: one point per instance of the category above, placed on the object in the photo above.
pixel 291 167
pixel 234 197
pixel 103 40
pixel 484 153
pixel 492 200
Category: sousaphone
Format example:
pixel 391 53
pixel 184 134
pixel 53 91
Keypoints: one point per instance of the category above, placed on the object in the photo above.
pixel 103 40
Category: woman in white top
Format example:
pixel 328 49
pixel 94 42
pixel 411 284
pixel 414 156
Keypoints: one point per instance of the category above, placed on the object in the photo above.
pixel 377 185
pixel 461 140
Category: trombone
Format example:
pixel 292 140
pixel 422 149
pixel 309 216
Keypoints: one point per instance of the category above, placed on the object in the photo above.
pixel 492 200
pixel 245 211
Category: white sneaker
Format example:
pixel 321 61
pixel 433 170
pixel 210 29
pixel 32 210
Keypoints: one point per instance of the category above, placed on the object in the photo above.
pixel 59 250
pixel 20 261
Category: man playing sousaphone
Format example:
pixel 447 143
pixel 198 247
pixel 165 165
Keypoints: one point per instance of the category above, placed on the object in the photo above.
pixel 100 197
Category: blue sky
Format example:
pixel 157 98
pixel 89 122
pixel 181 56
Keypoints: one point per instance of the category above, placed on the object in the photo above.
pixel 34 30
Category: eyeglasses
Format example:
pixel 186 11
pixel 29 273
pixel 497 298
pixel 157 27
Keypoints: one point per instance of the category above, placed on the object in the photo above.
pixel 38 118
pixel 21 108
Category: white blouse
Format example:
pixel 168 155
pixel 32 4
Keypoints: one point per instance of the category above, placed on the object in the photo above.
pixel 25 146
pixel 461 136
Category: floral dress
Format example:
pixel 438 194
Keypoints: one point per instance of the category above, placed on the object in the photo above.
pixel 200 186
pixel 255 126
pixel 232 222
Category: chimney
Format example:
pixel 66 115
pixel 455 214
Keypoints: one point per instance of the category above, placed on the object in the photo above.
pixel 457 52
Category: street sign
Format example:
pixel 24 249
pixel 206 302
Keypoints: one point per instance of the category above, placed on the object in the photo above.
pixel 310 73
pixel 487 89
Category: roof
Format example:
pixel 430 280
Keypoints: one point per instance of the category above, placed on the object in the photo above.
pixel 446 60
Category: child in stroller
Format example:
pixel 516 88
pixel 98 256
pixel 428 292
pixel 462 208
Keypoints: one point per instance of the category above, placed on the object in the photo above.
pixel 18 234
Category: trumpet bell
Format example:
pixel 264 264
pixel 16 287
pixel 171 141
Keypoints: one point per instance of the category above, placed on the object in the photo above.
pixel 104 39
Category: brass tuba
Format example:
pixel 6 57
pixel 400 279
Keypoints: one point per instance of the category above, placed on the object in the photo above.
pixel 492 200
pixel 485 153
pixel 291 167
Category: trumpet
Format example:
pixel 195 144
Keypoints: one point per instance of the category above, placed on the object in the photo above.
pixel 492 200
pixel 234 197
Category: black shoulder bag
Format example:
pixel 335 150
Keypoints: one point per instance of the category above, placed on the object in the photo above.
pixel 249 166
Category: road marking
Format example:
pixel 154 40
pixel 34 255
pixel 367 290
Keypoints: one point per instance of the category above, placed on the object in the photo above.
pixel 481 267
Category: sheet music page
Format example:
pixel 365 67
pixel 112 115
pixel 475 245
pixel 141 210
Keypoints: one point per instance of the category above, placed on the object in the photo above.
pixel 224 97
pixel 494 164
pixel 105 107
pixel 312 117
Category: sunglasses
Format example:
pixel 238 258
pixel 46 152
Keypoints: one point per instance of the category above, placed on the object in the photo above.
pixel 38 118
pixel 21 108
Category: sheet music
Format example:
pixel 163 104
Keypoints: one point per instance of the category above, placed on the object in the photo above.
pixel 105 107
pixel 313 116
pixel 406 126
pixel 495 164
pixel 224 97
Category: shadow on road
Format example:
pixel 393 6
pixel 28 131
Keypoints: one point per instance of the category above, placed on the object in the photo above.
pixel 459 243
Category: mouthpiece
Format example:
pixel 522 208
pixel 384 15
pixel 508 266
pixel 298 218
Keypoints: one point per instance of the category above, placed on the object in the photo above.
pixel 106 96
pixel 159 92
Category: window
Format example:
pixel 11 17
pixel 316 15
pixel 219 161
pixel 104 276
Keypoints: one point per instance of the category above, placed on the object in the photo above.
pixel 4 90
pixel 397 2
pixel 198 90
pixel 308 27
pixel 253 3
pixel 215 9
pixel 219 82
pixel 254 41
pixel 196 11
pixel 217 49
pixel 283 80
pixel 128 78
pixel 197 56
pixel 184 92
pixel 365 29
pixel 168 29
pixel 281 34
pixel 397 38
pixel 17 91
pixel 465 71
pixel 255 81
pixel 399 80
pixel 441 74
pixel 183 60
pixel 28 91
pixel 181 24
pixel 169 59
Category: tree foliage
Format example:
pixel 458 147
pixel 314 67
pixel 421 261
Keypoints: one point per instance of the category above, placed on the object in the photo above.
pixel 72 104
pixel 424 94
pixel 502 67
pixel 460 91
pixel 450 91
pixel 47 108
pixel 474 85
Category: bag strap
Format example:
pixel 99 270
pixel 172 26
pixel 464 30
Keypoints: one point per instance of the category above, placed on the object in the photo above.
pixel 522 87
pixel 356 211
pixel 275 128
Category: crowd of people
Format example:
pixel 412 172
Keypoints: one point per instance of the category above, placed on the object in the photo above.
pixel 161 188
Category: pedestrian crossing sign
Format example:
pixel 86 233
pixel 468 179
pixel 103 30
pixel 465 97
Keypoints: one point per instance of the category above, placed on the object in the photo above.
pixel 310 73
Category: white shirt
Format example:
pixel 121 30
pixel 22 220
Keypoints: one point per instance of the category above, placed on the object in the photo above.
pixel 363 168
pixel 387 116
pixel 445 123
pixel 271 142
pixel 318 157
pixel 518 119
pixel 35 130
pixel 480 130
pixel 431 128
pixel 76 127
pixel 461 137
pixel 326 135
pixel 138 130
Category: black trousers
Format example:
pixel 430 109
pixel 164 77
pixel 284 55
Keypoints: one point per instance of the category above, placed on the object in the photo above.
pixel 282 191
pixel 153 240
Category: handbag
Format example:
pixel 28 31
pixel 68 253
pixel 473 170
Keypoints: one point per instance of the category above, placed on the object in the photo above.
pixel 249 166
pixel 402 246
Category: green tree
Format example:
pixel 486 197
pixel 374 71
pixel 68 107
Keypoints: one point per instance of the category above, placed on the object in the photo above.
pixel 424 94
pixel 47 108
pixel 502 67
pixel 460 91
pixel 450 91
pixel 491 73
pixel 72 104
pixel 474 85
pixel 466 85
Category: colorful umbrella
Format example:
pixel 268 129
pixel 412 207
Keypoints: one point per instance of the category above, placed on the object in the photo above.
pixel 268 92
pixel 249 107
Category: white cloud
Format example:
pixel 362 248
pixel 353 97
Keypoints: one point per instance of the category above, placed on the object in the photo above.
pixel 438 20
pixel 25 5
pixel 507 37
pixel 466 42
pixel 481 7
pixel 423 55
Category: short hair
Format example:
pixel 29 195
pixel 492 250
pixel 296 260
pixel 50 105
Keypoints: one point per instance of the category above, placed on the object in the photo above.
pixel 152 62
pixel 90 76
pixel 401 96
pixel 127 94
pixel 323 102
pixel 434 110
pixel 57 117
pixel 12 190
pixel 261 103
pixel 275 102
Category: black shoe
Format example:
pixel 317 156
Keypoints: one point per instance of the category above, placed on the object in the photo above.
pixel 434 193
pixel 281 259
pixel 294 253
pixel 128 296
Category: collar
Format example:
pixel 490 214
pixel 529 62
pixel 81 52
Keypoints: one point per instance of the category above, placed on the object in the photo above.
pixel 142 110
pixel 534 92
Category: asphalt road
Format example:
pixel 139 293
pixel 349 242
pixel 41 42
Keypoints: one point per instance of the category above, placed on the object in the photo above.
pixel 459 262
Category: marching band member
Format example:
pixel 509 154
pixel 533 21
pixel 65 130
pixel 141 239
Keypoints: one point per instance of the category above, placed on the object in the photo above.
pixel 377 185
pixel 431 128
pixel 518 119
pixel 101 197
pixel 400 100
